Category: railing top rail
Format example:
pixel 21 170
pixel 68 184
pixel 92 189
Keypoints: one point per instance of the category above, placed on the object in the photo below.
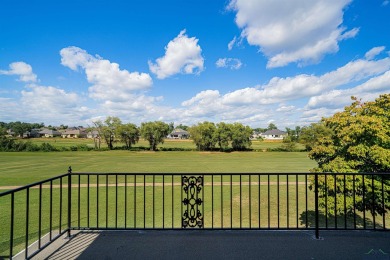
pixel 32 185
pixel 226 173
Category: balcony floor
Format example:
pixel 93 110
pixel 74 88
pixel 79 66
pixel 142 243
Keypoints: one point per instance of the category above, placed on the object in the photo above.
pixel 220 245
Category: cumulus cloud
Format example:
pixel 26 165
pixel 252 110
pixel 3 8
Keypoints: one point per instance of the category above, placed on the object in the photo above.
pixel 109 81
pixel 339 98
pixel 182 55
pixel 327 94
pixel 231 63
pixel 288 32
pixel 52 104
pixel 21 69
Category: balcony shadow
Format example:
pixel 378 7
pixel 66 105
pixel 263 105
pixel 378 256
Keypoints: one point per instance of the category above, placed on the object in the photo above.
pixel 338 222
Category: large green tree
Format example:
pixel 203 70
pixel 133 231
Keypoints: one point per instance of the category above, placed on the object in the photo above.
pixel 128 134
pixel 223 135
pixel 107 129
pixel 359 142
pixel 154 133
pixel 241 137
pixel 310 135
pixel 203 135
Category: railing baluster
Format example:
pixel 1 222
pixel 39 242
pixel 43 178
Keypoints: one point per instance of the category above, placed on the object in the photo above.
pixel 231 201
pixel 354 201
pixel 373 201
pixel 135 201
pixel 78 201
pixel 326 200
pixel 296 198
pixel 268 204
pixel 40 216
pixel 212 201
pixel 163 201
pixel 125 201
pixel 288 205
pixel 153 200
pixel 60 220
pixel 250 204
pixel 345 204
pixel 240 203
pixel 88 201
pixel 383 205
pixel 259 200
pixel 69 202
pixel 144 202
pixel 116 200
pixel 97 201
pixel 172 203
pixel 306 217
pixel 106 200
pixel 277 183
pixel 221 201
pixel 51 210
pixel 335 201
pixel 27 222
pixel 11 240
pixel 364 202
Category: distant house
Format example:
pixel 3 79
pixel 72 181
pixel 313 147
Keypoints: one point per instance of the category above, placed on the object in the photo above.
pixel 179 133
pixel 77 133
pixel 274 134
pixel 31 134
pixel 49 133
pixel 93 134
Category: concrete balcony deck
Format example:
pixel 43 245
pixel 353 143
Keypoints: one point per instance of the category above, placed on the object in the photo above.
pixel 202 244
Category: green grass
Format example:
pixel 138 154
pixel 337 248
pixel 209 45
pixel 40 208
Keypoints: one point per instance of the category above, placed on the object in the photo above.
pixel 168 143
pixel 26 167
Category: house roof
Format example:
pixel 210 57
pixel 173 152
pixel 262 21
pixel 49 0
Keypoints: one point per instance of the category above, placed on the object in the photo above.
pixel 179 131
pixel 274 132
pixel 49 132
pixel 73 132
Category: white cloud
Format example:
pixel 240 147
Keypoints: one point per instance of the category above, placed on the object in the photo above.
pixel 182 54
pixel 340 98
pixel 287 31
pixel 328 93
pixel 109 81
pixel 374 52
pixel 386 2
pixel 51 104
pixel 231 43
pixel 21 69
pixel 232 63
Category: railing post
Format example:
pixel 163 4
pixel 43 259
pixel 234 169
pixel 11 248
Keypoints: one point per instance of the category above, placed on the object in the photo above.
pixel 69 199
pixel 316 206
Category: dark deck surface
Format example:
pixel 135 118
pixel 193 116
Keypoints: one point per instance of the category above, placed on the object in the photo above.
pixel 221 245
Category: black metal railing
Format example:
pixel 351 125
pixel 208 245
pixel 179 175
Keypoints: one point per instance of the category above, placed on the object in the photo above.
pixel 33 216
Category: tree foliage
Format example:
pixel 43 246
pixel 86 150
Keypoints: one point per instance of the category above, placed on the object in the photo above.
pixel 359 142
pixel 240 137
pixel 128 134
pixel 107 129
pixel 207 135
pixel 311 134
pixel 154 133
pixel 203 135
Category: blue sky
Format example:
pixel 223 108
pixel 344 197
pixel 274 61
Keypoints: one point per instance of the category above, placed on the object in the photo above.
pixel 249 61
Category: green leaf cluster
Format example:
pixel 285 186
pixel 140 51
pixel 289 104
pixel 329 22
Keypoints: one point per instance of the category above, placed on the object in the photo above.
pixel 357 140
pixel 208 135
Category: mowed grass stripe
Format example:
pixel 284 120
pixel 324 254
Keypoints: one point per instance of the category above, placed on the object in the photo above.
pixel 18 169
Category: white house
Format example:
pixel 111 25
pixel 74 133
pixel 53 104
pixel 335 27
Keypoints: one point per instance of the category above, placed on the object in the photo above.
pixel 179 134
pixel 274 134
